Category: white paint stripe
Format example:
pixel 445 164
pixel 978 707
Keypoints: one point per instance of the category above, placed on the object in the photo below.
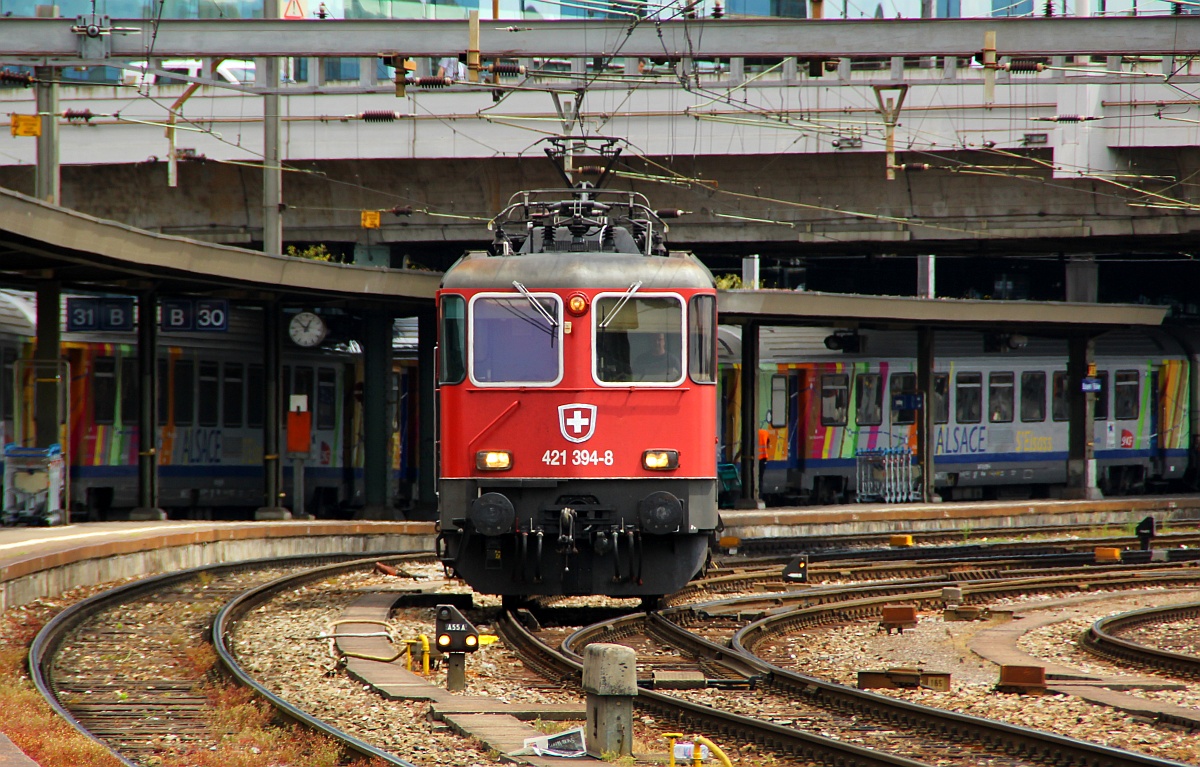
pixel 117 531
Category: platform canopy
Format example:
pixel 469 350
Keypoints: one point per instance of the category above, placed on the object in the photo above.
pixel 39 242
pixel 792 307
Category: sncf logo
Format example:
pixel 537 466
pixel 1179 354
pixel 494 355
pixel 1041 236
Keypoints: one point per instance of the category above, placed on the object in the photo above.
pixel 577 421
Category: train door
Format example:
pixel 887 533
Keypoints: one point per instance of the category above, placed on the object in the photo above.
pixel 1155 441
pixel 797 420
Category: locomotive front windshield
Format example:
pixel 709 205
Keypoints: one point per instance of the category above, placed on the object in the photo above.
pixel 516 340
pixel 639 339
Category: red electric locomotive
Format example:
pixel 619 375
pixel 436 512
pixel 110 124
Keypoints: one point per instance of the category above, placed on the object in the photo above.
pixel 578 401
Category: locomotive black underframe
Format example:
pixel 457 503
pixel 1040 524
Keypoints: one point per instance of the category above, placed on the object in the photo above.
pixel 606 552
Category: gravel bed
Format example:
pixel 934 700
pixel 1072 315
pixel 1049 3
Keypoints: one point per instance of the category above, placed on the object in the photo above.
pixel 838 653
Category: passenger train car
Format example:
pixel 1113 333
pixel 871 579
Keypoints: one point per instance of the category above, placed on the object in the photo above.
pixel 210 416
pixel 1000 410
pixel 578 403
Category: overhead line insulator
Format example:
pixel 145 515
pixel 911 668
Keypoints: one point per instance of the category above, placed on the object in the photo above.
pixel 1023 66
pixel 432 82
pixel 24 79
pixel 378 116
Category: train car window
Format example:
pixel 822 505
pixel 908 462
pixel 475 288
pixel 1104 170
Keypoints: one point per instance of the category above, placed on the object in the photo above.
pixel 184 389
pixel 868 393
pixel 255 394
pixel 6 385
pixel 452 343
pixel 702 339
pixel 1125 395
pixel 326 416
pixel 1000 397
pixel 233 390
pixel 1060 407
pixel 638 339
pixel 164 391
pixel 513 342
pixel 1100 401
pixel 1033 396
pixel 968 397
pixel 104 389
pixel 902 383
pixel 209 400
pixel 941 398
pixel 131 388
pixel 835 399
pixel 779 401
pixel 302 384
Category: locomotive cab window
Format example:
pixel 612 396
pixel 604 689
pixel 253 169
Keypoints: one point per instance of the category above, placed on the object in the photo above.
pixel 1125 395
pixel 452 347
pixel 835 396
pixel 702 339
pixel 515 340
pixel 639 339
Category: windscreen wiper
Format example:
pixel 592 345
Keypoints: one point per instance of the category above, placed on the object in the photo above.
pixel 620 304
pixel 541 309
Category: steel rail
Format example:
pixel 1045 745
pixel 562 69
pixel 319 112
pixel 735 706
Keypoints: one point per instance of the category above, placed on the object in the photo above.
pixel 786 740
pixel 1017 740
pixel 226 620
pixel 52 636
pixel 1101 639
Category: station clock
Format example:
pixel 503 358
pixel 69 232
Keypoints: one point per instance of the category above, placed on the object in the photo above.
pixel 307 329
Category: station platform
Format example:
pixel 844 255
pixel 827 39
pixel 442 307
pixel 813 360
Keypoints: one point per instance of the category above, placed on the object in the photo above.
pixel 851 518
pixel 44 561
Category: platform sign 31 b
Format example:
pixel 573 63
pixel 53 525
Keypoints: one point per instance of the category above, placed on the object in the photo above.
pixel 88 315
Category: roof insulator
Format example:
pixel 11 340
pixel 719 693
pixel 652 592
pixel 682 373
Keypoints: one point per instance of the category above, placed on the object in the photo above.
pixel 378 116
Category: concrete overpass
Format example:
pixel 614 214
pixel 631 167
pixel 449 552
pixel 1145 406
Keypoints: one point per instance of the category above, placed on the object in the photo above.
pixel 784 152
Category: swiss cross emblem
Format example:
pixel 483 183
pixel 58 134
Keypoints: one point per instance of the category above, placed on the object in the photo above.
pixel 577 421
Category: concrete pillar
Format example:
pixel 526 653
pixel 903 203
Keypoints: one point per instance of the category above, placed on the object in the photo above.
pixel 426 504
pixel 926 417
pixel 748 385
pixel 1081 459
pixel 925 276
pixel 610 681
pixel 47 186
pixel 272 409
pixel 47 387
pixel 1083 280
pixel 147 506
pixel 272 156
pixel 377 364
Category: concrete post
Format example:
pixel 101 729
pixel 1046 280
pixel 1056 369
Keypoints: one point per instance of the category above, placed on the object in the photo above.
pixel 427 468
pixel 749 388
pixel 272 412
pixel 147 507
pixel 1083 280
pixel 927 416
pixel 925 276
pixel 456 671
pixel 610 681
pixel 1081 458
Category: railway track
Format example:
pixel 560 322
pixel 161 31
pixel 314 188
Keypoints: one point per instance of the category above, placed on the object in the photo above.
pixel 119 666
pixel 1104 639
pixel 794 701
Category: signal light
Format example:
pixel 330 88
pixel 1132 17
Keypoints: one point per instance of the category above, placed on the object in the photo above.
pixel 493 460
pixel 577 304
pixel 454 632
pixel 660 460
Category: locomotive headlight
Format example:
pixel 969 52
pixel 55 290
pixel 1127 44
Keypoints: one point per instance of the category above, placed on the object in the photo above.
pixel 577 304
pixel 660 460
pixel 493 460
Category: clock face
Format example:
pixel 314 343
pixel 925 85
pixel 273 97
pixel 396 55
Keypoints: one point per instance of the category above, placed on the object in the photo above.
pixel 307 329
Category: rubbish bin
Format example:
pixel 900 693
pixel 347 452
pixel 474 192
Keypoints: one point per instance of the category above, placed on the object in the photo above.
pixel 33 482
